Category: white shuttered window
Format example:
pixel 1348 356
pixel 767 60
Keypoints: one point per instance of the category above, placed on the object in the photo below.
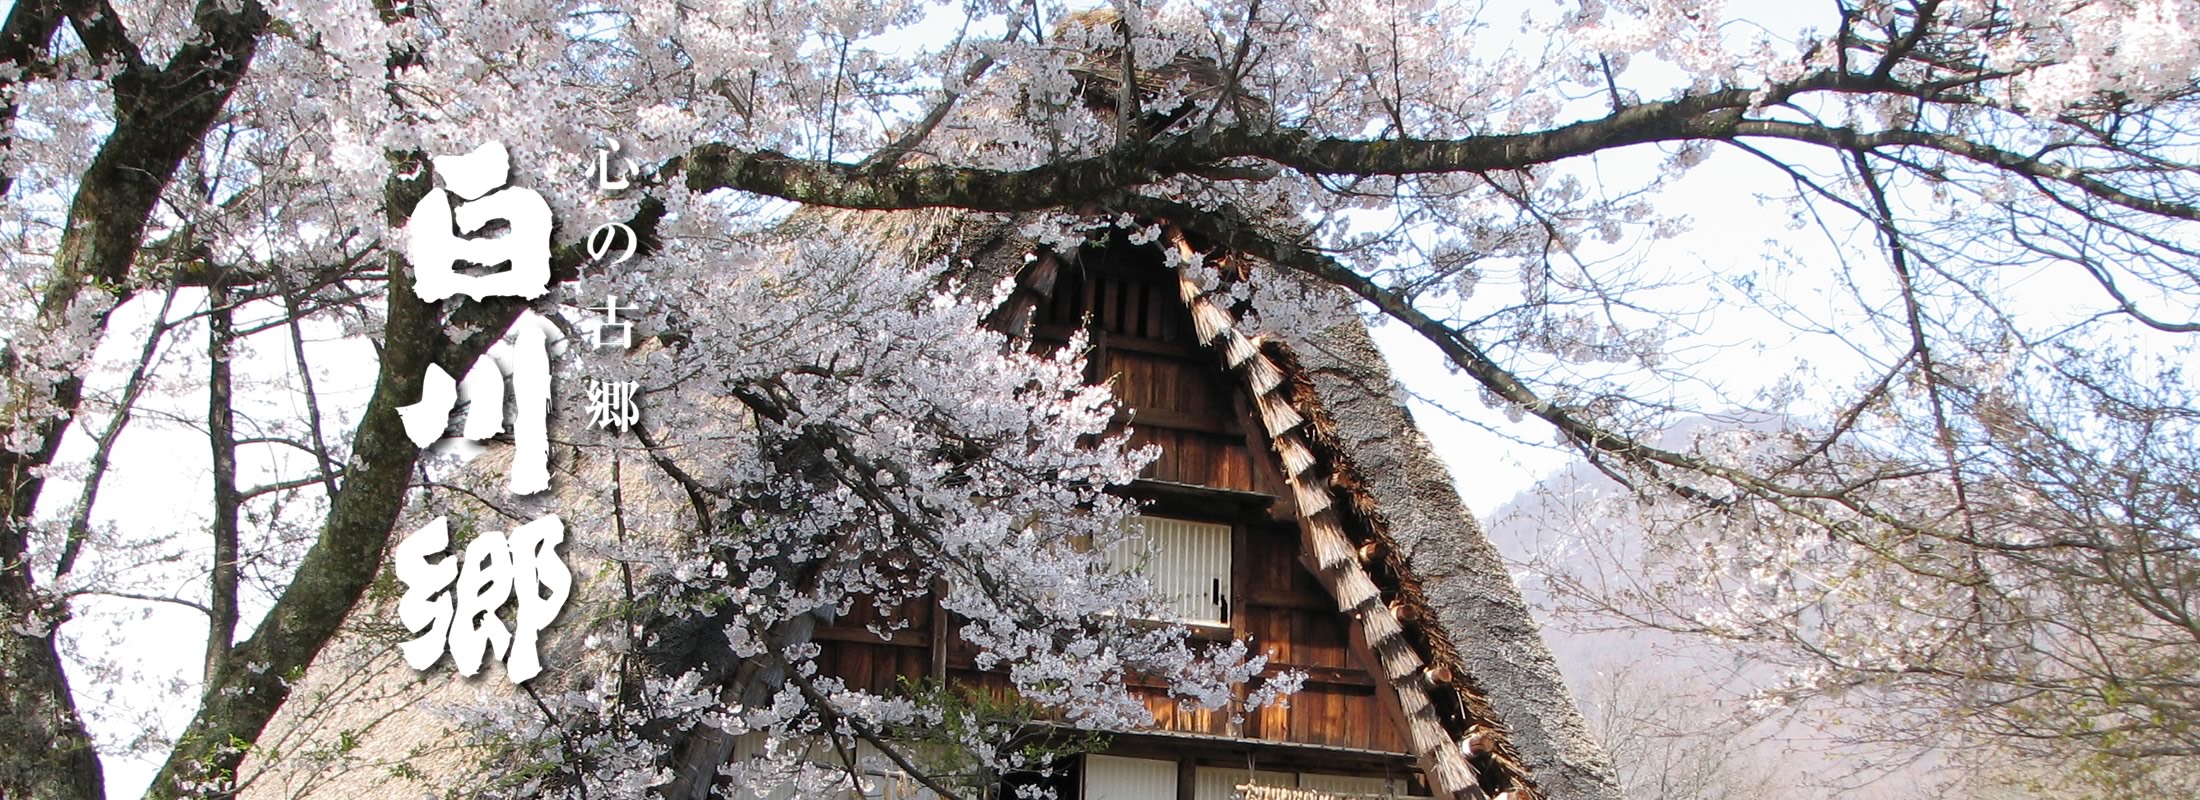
pixel 1113 778
pixel 1188 563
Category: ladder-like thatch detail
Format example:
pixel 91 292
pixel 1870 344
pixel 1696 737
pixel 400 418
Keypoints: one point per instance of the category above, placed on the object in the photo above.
pixel 1339 562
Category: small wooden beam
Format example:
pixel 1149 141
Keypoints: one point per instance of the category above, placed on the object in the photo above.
pixel 901 638
pixel 1208 496
pixel 939 632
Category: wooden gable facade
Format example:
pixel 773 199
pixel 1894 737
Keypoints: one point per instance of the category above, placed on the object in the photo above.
pixel 1378 715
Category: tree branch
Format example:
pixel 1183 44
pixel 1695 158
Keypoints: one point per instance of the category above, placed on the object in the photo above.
pixel 221 424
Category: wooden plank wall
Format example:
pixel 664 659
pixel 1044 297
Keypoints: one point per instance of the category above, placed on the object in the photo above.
pixel 851 650
pixel 1180 399
pixel 1288 616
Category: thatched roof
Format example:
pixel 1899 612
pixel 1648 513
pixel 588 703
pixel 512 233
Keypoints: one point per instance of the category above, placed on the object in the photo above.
pixel 1476 619
pixel 1476 654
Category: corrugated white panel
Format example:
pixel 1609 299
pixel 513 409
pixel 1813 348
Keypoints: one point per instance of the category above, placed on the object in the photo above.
pixel 1216 783
pixel 1188 563
pixel 747 746
pixel 882 782
pixel 1114 778
pixel 893 786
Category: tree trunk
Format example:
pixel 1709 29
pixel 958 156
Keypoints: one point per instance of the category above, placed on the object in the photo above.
pixel 161 115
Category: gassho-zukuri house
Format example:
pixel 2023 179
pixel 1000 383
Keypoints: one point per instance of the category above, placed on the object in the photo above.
pixel 1294 504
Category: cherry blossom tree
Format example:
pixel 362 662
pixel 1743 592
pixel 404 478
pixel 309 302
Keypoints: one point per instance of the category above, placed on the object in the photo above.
pixel 1985 511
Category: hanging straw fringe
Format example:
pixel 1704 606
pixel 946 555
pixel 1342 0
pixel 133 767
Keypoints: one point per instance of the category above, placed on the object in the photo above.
pixel 1356 591
pixel 1254 791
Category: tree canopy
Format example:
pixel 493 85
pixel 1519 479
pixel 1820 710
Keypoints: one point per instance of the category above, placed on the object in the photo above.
pixel 1982 510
